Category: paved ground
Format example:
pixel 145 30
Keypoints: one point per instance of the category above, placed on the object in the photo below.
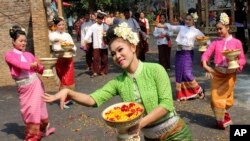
pixel 85 124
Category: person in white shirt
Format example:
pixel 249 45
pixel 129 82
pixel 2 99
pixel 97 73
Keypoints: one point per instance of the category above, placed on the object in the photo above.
pixel 70 25
pixel 163 39
pixel 89 46
pixel 186 85
pixel 64 66
pixel 100 53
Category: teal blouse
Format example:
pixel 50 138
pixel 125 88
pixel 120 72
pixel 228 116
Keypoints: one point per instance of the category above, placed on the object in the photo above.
pixel 153 85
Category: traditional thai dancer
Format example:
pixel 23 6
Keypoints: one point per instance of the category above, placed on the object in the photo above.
pixel 24 68
pixel 145 83
pixel 64 66
pixel 222 78
pixel 186 85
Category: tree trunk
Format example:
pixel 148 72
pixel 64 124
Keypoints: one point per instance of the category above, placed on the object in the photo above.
pixel 92 5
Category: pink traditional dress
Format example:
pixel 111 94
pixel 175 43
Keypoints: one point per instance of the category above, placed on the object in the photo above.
pixel 223 82
pixel 30 89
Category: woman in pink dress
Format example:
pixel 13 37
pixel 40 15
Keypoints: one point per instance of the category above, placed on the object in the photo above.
pixel 24 68
pixel 222 79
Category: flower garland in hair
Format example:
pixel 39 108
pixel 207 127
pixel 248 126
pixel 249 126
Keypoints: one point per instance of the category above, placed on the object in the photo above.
pixel 224 19
pixel 123 31
pixel 23 29
pixel 194 16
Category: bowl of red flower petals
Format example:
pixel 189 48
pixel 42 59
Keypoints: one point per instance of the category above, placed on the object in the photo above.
pixel 123 115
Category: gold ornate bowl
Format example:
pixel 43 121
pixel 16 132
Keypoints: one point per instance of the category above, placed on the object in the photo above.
pixel 231 55
pixel 48 64
pixel 202 41
pixel 67 51
pixel 123 125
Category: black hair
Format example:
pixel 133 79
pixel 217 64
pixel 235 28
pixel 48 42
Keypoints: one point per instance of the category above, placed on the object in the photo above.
pixel 137 16
pixel 110 35
pixel 16 31
pixel 87 13
pixel 191 10
pixel 100 16
pixel 57 20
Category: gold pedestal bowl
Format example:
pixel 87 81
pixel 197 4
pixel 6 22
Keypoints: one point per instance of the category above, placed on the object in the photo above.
pixel 68 49
pixel 231 55
pixel 202 41
pixel 48 64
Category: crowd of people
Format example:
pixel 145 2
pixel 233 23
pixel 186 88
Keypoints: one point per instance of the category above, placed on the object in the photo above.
pixel 126 38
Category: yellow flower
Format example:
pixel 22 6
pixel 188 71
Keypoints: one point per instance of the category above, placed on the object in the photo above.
pixel 125 32
pixel 224 19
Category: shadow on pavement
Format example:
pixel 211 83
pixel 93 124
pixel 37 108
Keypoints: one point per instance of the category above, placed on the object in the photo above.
pixel 195 118
pixel 14 129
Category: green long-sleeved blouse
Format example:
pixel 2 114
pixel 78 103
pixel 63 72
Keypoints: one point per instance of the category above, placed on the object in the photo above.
pixel 153 84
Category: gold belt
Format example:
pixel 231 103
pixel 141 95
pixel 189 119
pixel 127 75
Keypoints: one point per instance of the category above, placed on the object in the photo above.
pixel 181 47
pixel 225 70
pixel 26 81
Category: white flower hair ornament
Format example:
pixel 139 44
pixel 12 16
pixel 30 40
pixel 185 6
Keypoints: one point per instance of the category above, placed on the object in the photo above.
pixel 224 19
pixel 194 16
pixel 125 32
pixel 23 29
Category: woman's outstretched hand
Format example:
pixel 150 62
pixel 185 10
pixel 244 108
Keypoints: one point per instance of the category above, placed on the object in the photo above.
pixel 61 95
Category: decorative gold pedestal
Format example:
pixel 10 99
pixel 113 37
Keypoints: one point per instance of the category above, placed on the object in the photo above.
pixel 48 64
pixel 67 51
pixel 232 57
pixel 202 40
pixel 202 48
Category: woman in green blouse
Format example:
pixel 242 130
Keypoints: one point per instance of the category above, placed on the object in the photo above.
pixel 145 83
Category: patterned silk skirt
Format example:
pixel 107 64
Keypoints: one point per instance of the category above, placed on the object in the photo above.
pixel 186 85
pixel 222 95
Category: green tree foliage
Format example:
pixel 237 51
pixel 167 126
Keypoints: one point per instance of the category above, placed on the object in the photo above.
pixel 81 6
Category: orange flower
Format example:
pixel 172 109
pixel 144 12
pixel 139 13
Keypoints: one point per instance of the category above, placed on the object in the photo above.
pixel 124 113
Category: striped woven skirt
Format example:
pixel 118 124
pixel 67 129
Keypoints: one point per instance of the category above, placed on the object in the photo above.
pixel 186 85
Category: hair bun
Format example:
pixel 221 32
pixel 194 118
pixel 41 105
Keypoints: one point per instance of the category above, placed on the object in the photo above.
pixel 14 30
pixel 57 19
pixel 191 10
